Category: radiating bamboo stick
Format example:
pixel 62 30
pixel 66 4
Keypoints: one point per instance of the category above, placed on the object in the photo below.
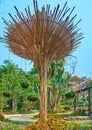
pixel 49 35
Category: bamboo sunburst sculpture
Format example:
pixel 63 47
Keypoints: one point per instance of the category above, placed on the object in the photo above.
pixel 47 34
pixel 42 37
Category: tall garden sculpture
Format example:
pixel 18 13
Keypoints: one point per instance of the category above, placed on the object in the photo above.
pixel 43 37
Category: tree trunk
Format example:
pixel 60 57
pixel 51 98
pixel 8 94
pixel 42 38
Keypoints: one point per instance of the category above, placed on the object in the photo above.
pixel 14 105
pixel 75 106
pixel 1 109
pixel 43 93
pixel 48 98
pixel 1 104
pixel 55 107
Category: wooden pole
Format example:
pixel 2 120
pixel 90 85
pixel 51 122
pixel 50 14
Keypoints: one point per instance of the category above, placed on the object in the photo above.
pixel 89 103
pixel 75 106
pixel 43 92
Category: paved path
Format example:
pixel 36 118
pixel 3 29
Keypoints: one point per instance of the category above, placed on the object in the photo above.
pixel 20 117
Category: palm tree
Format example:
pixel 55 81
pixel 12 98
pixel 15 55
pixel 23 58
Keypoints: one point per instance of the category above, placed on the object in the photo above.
pixel 58 80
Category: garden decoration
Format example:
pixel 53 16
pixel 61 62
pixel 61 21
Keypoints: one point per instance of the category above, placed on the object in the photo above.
pixel 42 37
pixel 83 89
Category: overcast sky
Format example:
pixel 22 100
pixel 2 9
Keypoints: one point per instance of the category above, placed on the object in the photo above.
pixel 84 12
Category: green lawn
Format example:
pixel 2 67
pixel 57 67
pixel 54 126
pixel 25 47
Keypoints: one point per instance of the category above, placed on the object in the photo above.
pixel 70 124
pixel 83 123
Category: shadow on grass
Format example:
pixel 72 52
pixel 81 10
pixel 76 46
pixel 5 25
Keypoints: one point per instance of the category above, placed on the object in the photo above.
pixel 22 123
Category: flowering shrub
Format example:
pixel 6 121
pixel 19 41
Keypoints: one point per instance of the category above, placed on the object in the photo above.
pixel 75 78
pixel 63 111
pixel 58 124
pixel 50 124
pixel 52 112
pixel 2 116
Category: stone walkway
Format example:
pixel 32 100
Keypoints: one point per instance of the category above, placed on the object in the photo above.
pixel 78 118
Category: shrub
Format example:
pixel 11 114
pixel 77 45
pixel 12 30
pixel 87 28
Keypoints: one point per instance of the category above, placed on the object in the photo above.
pixel 52 112
pixel 32 97
pixel 63 111
pixel 2 116
pixel 67 107
pixel 58 124
pixel 81 111
pixel 70 94
pixel 24 85
pixel 6 94
pixel 50 124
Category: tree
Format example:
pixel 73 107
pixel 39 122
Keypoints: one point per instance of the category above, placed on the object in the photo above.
pixel 55 72
pixel 10 79
pixel 43 37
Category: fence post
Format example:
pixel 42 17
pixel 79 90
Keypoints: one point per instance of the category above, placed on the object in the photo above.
pixel 89 103
pixel 75 106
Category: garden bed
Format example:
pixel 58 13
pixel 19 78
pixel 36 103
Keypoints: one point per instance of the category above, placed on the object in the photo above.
pixel 61 124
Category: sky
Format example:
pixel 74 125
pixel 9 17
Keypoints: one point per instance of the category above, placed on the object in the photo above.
pixel 83 8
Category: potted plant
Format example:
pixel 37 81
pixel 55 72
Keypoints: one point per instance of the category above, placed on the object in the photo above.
pixel 24 85
pixel 6 94
pixel 70 94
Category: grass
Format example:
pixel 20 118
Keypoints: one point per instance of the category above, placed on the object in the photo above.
pixel 61 124
pixel 25 123
pixel 22 125
pixel 11 126
pixel 6 124
pixel 84 123
pixel 71 124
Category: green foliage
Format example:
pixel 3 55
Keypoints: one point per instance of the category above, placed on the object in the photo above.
pixel 10 126
pixel 7 124
pixel 32 97
pixel 24 85
pixel 81 111
pixel 5 120
pixel 61 115
pixel 89 84
pixel 6 94
pixel 16 84
pixel 70 94
pixel 67 107
pixel 34 71
pixel 57 81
